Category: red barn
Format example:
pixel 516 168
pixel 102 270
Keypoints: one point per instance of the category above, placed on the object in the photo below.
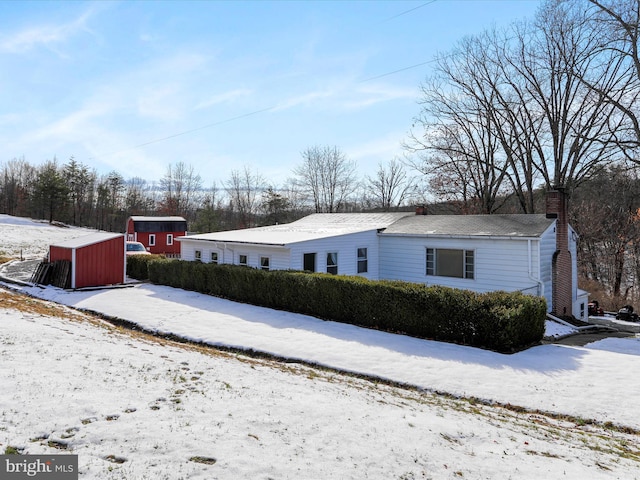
pixel 157 234
pixel 96 259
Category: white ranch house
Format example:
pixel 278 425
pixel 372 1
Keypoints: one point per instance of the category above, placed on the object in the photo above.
pixel 481 253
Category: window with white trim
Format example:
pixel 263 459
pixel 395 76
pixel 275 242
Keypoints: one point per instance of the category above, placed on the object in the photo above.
pixel 264 263
pixel 169 238
pixel 449 262
pixel 214 257
pixel 363 264
pixel 198 255
pixel 152 239
pixel 332 263
pixel 242 260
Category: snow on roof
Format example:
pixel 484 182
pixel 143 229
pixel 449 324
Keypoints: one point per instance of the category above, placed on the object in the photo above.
pixel 140 218
pixel 508 225
pixel 86 240
pixel 311 227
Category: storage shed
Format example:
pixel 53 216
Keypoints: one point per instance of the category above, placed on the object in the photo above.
pixel 157 234
pixel 97 259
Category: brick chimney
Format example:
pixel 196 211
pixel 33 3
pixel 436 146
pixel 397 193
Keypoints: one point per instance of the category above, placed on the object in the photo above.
pixel 561 273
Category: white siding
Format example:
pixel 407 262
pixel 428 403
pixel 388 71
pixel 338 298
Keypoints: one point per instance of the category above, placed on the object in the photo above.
pixel 229 253
pixel 282 258
pixel 347 248
pixel 500 264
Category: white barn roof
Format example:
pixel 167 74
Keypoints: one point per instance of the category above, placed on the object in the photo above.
pixel 312 227
pixel 86 240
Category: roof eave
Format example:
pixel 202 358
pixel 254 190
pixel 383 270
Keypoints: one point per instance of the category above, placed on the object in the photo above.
pixel 229 242
pixel 453 236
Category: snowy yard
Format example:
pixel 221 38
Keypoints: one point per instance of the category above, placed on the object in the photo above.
pixel 134 407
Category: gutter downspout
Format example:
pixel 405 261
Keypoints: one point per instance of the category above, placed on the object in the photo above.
pixel 530 272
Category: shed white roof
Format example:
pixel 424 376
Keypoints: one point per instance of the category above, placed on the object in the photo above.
pixel 86 240
pixel 312 227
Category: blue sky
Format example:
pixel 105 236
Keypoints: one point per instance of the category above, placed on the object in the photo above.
pixel 136 86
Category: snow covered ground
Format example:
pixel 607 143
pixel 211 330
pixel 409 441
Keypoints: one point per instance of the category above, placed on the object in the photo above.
pixel 134 407
pixel 29 239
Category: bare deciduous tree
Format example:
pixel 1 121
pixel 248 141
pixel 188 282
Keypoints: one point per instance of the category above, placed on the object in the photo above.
pixel 514 107
pixel 390 187
pixel 244 189
pixel 181 187
pixel 617 25
pixel 328 176
pixel 16 182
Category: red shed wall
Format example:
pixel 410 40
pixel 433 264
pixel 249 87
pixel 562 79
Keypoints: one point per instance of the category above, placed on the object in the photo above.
pixel 59 253
pixel 100 263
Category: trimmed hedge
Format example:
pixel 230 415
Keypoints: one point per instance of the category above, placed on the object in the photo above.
pixel 499 321
pixel 137 265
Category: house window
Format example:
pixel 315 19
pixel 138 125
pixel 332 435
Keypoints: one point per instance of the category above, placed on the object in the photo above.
pixel 214 257
pixel 242 260
pixel 362 260
pixel 169 239
pixel 332 263
pixel 152 239
pixel 309 262
pixel 448 262
pixel 264 263
pixel 198 255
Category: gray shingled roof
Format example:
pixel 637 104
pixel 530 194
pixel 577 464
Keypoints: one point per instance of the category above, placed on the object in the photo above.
pixel 518 225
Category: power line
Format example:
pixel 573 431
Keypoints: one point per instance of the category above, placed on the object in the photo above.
pixel 255 112
pixel 410 10
pixel 396 71
pixel 268 108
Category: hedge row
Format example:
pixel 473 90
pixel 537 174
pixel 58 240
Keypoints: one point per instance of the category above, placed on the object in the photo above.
pixel 499 321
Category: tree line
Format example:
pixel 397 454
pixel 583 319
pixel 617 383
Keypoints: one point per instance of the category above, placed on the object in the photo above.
pixel 325 181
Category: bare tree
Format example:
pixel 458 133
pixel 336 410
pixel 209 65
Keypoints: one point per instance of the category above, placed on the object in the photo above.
pixel 617 25
pixel 244 189
pixel 181 186
pixel 328 176
pixel 16 183
pixel 606 213
pixel 138 200
pixel 551 57
pixel 390 187
pixel 514 107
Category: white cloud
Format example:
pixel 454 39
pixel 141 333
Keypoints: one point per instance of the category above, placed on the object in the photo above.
pixel 372 95
pixel 306 99
pixel 47 36
pixel 226 97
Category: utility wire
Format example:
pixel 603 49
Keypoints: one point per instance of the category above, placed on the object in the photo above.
pixel 268 108
pixel 255 112
pixel 410 10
